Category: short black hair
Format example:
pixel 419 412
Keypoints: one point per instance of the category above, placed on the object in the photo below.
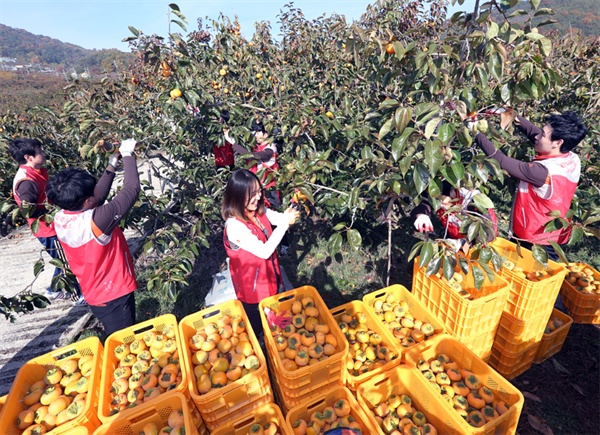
pixel 569 127
pixel 257 126
pixel 70 188
pixel 225 116
pixel 19 148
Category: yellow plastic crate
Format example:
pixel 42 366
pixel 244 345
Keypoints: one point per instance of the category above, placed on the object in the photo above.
pixel 269 413
pixel 301 384
pixel 510 365
pixel 583 307
pixel 407 380
pixel 503 390
pixel 79 430
pixel 462 317
pixel 156 411
pixel 416 307
pixel 527 299
pixel 128 335
pixel 514 335
pixel 388 340
pixel 35 369
pixel 329 398
pixel 223 405
pixel 2 402
pixel 480 345
pixel 552 342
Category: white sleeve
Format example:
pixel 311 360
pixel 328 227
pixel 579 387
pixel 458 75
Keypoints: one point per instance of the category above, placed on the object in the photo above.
pixel 240 235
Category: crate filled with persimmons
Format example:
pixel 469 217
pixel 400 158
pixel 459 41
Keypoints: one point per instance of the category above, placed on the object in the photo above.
pixel 371 347
pixel 405 316
pixel 172 414
pixel 399 401
pixel 554 337
pixel 56 391
pixel 265 420
pixel 141 362
pixel 229 375
pixel 486 401
pixel 580 293
pixel 335 408
pixel 307 354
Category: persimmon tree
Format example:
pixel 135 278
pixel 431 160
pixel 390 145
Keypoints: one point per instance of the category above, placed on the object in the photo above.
pixel 369 117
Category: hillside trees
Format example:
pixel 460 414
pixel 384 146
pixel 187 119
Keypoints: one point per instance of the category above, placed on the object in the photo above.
pixel 370 116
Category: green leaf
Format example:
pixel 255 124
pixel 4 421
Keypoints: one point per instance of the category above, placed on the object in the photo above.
pixel 354 238
pixel 560 252
pixel 421 177
pixel 483 202
pixel 402 118
pixel 334 245
pixel 545 46
pixel 38 267
pixel 534 4
pixel 434 266
pixel 492 30
pixel 388 104
pixel 540 254
pixel 434 156
pixel 415 250
pixel 339 226
pixel 135 31
pixel 446 133
pixel 478 277
pixel 430 127
pixel 576 235
pixel 426 254
pixel 485 255
pixel 448 267
pixel 399 143
pixel 385 129
pixel 459 170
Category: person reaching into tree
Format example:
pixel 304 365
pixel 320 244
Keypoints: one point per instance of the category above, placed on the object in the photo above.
pixel 92 240
pixel 548 182
pixel 264 159
pixel 251 242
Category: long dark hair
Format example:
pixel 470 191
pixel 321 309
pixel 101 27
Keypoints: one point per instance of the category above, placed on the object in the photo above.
pixel 237 194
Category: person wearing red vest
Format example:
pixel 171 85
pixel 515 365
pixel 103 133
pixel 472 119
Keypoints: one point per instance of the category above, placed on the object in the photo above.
pixel 264 159
pixel 29 191
pixel 547 183
pixel 224 155
pixel 92 240
pixel 251 242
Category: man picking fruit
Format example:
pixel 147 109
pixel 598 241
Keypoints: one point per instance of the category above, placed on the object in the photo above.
pixel 548 182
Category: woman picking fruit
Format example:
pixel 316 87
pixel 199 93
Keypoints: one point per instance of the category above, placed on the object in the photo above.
pixel 250 242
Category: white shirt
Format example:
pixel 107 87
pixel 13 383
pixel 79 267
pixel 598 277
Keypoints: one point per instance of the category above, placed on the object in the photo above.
pixel 240 235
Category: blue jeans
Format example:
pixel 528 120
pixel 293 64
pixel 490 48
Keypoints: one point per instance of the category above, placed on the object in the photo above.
pixel 50 243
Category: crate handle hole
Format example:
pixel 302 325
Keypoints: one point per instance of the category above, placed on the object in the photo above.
pixel 144 329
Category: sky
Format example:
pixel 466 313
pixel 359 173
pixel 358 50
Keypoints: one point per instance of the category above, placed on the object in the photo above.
pixel 98 24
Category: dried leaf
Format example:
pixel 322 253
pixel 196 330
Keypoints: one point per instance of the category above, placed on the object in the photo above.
pixel 559 367
pixel 507 117
pixel 532 397
pixel 578 389
pixel 539 425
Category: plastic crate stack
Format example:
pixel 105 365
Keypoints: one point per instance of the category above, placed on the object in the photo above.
pixel 583 304
pixel 528 308
pixel 554 337
pixel 505 401
pixel 473 316
pixel 294 384
pixel 236 397
pixel 22 397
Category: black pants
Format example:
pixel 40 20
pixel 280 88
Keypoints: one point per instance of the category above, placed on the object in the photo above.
pixel 117 314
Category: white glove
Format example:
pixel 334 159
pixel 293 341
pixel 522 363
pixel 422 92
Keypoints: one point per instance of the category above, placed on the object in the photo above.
pixel 227 137
pixel 495 111
pixel 423 223
pixel 471 125
pixel 127 147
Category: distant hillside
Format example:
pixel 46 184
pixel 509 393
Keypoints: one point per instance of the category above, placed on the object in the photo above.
pixel 582 15
pixel 37 49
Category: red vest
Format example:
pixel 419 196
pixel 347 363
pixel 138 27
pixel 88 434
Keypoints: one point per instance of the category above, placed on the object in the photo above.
pixel 533 204
pixel 40 178
pixel 224 155
pixel 102 263
pixel 270 166
pixel 453 220
pixel 253 278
